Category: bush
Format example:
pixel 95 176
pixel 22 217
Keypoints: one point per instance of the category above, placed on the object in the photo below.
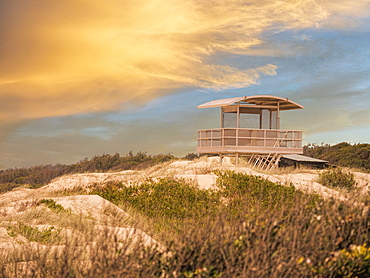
pixel 33 234
pixel 192 156
pixel 254 190
pixel 51 204
pixel 169 201
pixel 349 262
pixel 337 178
pixel 5 187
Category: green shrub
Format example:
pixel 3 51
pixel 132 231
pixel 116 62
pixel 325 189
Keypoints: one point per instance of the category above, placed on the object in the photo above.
pixel 239 184
pixel 252 191
pixel 349 262
pixel 5 187
pixel 33 234
pixel 51 204
pixel 337 178
pixel 168 200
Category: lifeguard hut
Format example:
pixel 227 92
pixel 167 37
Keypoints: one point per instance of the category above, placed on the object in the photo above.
pixel 250 127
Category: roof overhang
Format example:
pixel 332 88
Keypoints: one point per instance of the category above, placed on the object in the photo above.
pixel 257 100
pixel 303 158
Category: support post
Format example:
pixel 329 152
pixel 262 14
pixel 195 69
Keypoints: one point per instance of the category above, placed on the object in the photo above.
pixel 270 119
pixel 220 159
pixel 237 124
pixel 260 118
pixel 238 116
pixel 237 159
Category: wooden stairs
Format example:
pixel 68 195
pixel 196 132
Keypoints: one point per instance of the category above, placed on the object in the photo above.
pixel 270 161
pixel 265 162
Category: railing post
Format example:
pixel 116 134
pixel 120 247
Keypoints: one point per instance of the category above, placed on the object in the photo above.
pixel 222 137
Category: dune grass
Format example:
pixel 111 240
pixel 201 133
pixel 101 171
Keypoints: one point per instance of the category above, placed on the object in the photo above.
pixel 337 178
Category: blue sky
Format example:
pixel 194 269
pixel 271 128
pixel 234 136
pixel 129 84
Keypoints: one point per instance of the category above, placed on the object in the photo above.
pixel 128 76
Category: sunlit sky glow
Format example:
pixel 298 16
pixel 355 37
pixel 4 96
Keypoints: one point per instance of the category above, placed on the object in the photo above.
pixel 80 78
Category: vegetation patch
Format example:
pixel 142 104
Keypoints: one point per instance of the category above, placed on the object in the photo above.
pixel 45 236
pixel 5 187
pixel 167 200
pixel 349 262
pixel 337 178
pixel 51 204
pixel 254 187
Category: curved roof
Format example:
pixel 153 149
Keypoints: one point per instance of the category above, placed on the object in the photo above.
pixel 264 100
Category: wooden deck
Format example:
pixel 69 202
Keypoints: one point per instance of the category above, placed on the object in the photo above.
pixel 243 140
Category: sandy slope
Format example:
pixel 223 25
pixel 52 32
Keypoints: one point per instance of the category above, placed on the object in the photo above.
pixel 92 205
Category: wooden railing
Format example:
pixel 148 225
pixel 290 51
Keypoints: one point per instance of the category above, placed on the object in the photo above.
pixel 249 140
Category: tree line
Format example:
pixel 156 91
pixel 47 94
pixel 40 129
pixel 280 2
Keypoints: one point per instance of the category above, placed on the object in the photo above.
pixel 342 154
pixel 40 175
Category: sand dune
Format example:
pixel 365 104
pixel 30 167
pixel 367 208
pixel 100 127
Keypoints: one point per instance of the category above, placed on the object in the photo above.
pixel 24 203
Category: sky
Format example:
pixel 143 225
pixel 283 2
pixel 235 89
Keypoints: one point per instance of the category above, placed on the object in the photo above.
pixel 80 78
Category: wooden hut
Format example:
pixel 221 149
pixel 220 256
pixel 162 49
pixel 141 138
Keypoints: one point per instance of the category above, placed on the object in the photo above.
pixel 250 126
pixel 296 160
